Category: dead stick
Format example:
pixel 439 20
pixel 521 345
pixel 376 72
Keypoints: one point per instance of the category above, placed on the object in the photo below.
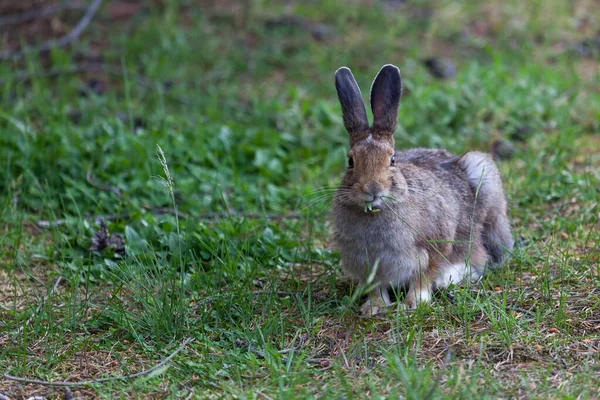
pixel 263 394
pixel 52 224
pixel 39 13
pixel 166 210
pixel 60 42
pixel 249 215
pixel 101 380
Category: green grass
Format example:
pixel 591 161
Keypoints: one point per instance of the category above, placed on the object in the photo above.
pixel 245 111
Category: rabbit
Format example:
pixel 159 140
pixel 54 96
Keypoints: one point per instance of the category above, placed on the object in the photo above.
pixel 422 218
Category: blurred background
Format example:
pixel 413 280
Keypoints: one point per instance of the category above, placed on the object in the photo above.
pixel 241 92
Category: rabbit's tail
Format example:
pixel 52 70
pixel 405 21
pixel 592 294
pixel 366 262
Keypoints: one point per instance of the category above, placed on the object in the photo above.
pixel 497 239
pixel 485 180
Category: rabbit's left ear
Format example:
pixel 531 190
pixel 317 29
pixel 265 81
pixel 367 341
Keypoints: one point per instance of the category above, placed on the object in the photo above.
pixel 385 99
pixel 353 108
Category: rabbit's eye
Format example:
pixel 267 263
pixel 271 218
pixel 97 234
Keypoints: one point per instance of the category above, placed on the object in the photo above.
pixel 393 161
pixel 350 162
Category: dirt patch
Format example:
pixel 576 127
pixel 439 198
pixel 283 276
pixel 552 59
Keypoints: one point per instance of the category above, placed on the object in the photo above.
pixel 19 289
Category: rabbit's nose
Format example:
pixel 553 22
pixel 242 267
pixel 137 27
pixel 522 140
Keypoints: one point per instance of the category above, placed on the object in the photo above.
pixel 373 188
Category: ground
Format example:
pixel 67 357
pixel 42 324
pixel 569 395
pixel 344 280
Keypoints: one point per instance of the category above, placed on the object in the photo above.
pixel 174 167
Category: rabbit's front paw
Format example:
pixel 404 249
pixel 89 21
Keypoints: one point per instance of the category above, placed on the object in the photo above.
pixel 419 291
pixel 376 303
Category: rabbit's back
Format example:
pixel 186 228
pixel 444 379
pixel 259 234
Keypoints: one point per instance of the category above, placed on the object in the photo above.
pixel 473 213
pixel 426 158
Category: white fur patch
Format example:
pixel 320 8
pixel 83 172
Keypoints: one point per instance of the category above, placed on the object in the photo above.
pixel 478 167
pixel 417 295
pixel 453 273
pixel 423 295
pixel 456 273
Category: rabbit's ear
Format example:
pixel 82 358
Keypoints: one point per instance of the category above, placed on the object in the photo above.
pixel 385 98
pixel 353 108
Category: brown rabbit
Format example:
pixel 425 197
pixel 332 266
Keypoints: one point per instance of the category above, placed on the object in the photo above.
pixel 420 217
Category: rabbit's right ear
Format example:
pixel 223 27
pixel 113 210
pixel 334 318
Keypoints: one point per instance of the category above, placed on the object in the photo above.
pixel 353 108
pixel 385 99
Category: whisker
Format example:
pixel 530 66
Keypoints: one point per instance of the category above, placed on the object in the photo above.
pixel 324 198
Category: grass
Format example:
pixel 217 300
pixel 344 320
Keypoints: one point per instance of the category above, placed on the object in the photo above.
pixel 235 109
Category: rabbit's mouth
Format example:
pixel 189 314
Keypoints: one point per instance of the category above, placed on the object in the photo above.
pixel 372 203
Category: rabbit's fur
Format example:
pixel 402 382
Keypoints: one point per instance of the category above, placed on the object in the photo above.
pixel 426 218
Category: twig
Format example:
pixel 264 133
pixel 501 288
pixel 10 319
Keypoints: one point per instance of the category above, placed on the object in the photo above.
pixel 262 394
pixel 286 351
pixel 101 380
pixel 39 13
pixel 52 224
pixel 439 376
pixel 250 216
pixel 60 42
pixel 108 217
pixel 39 307
pixel 278 293
pixel 167 210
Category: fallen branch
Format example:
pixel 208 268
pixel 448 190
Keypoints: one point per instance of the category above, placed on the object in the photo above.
pixel 279 293
pixel 101 380
pixel 263 394
pixel 60 42
pixel 39 13
pixel 166 210
pixel 109 217
pixel 249 216
pixel 39 307
pixel 52 224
